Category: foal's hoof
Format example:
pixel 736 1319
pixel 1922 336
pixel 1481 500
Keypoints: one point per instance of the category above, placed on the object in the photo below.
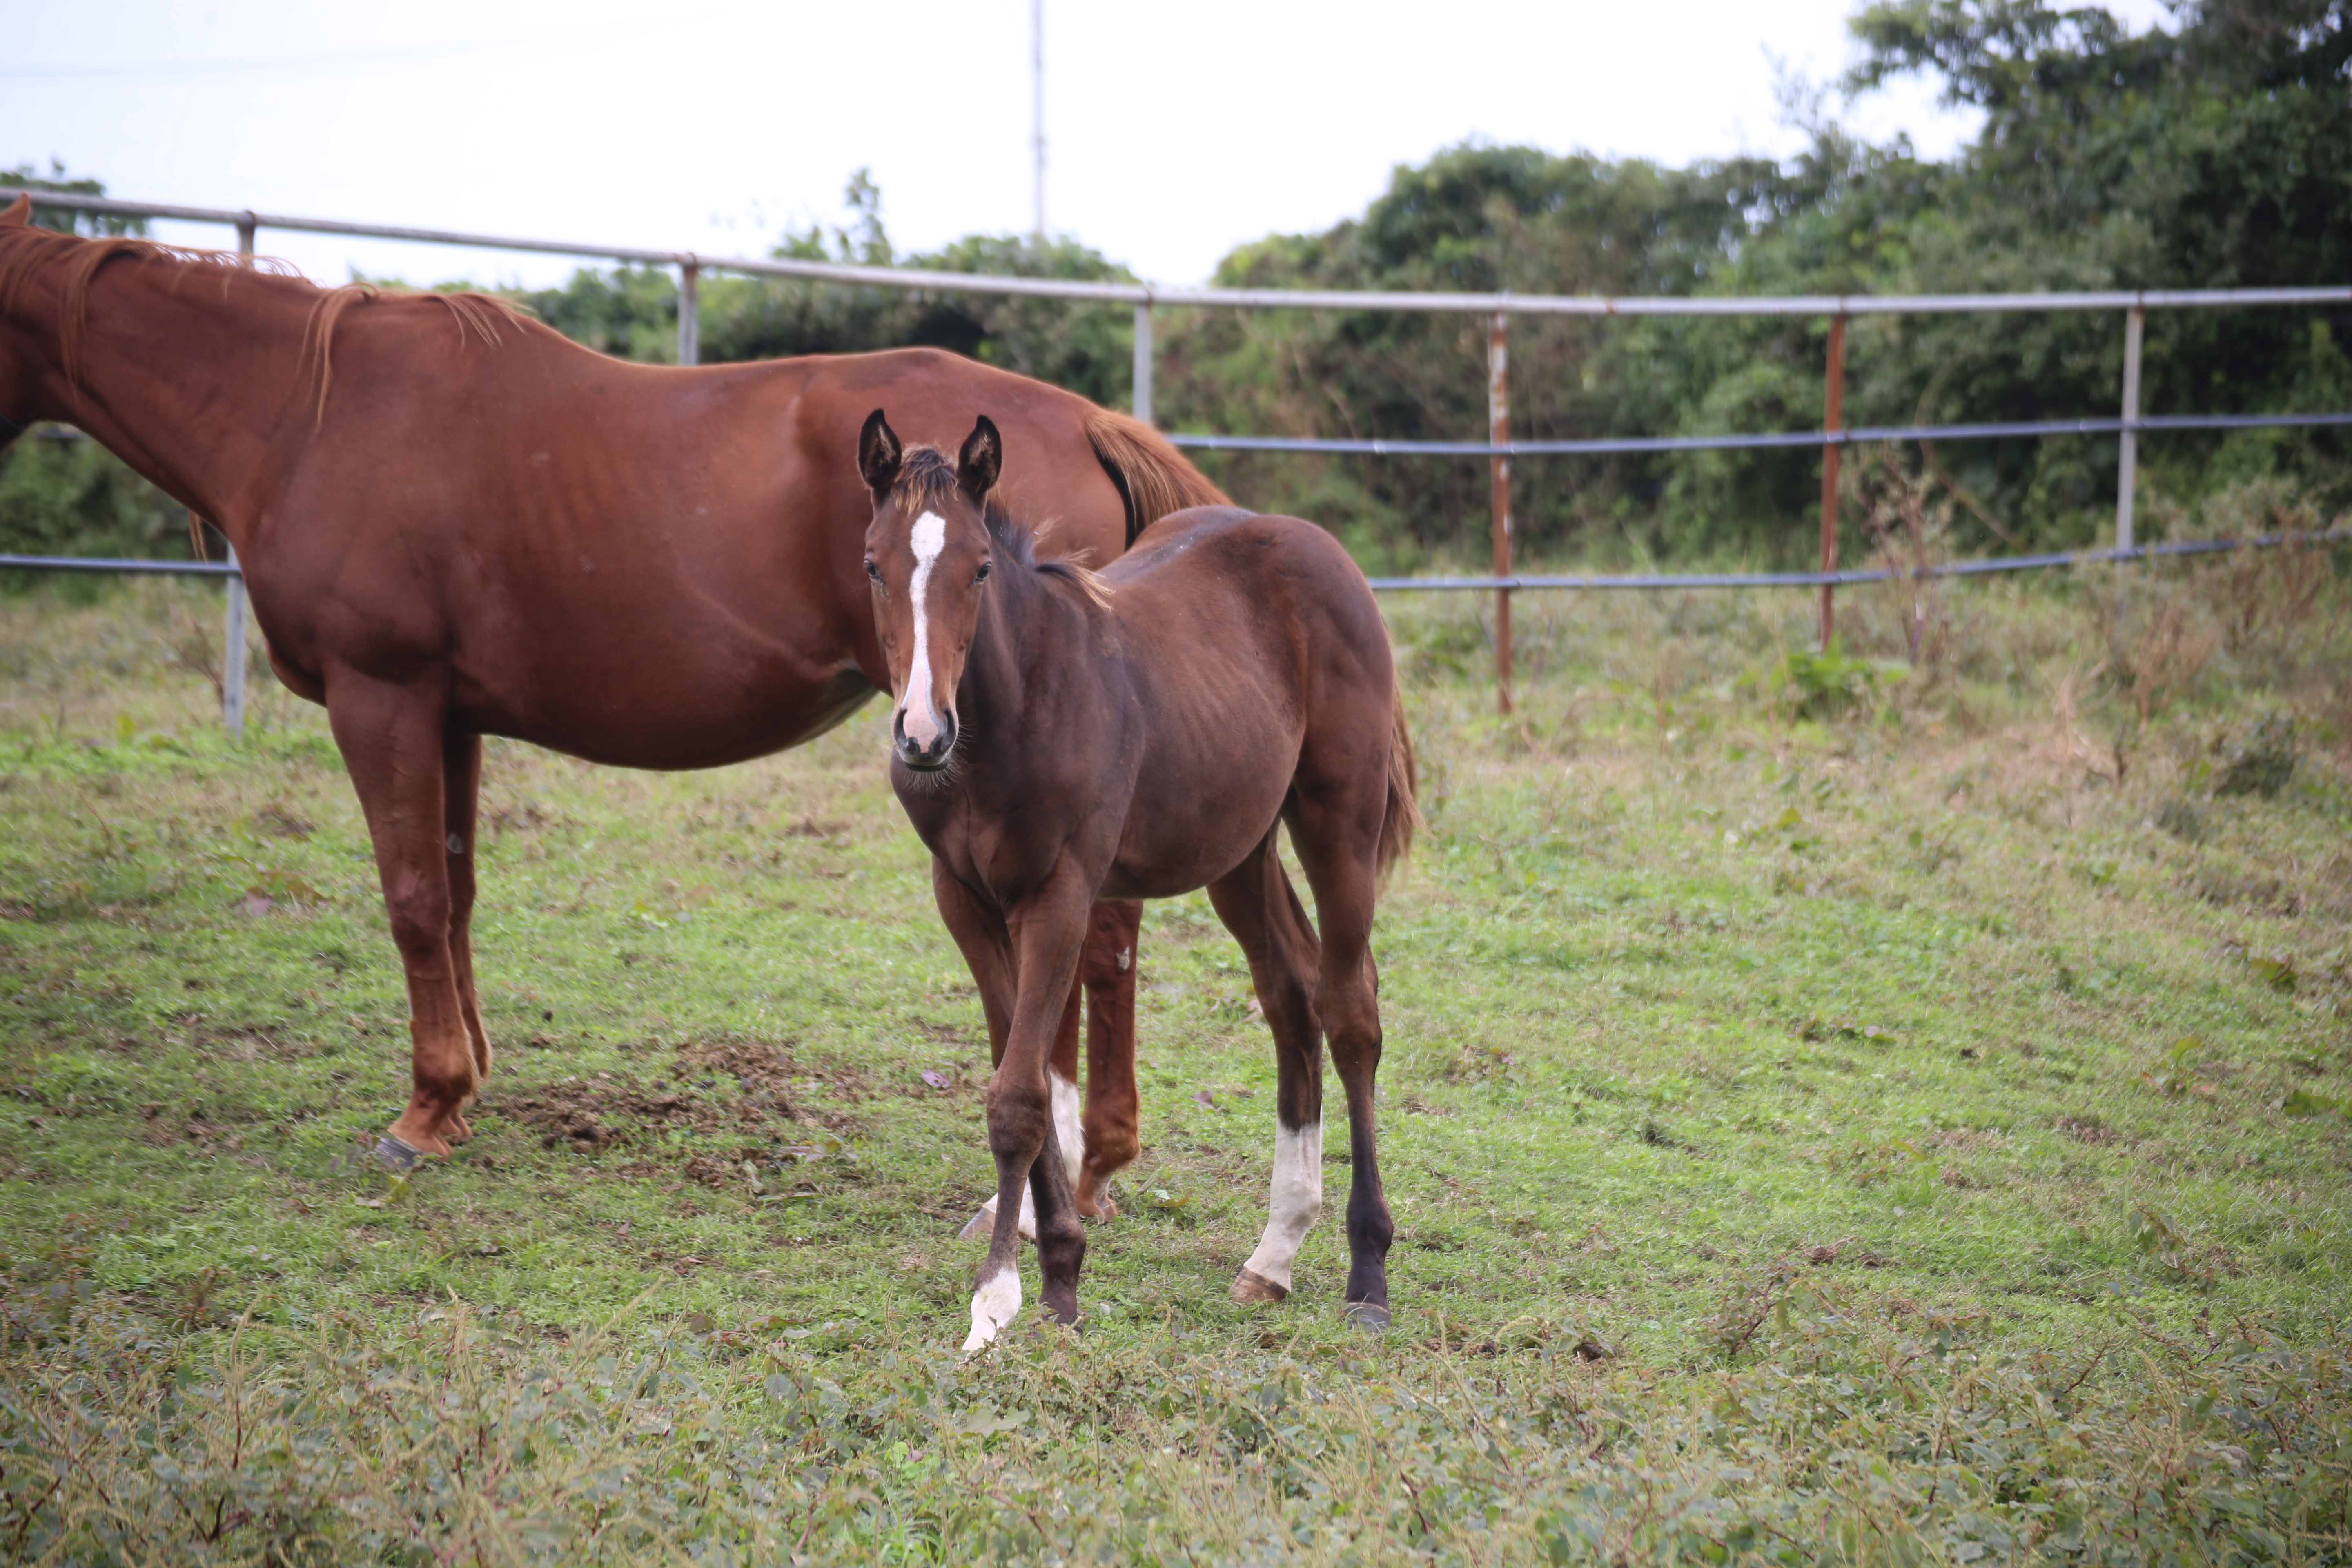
pixel 1250 1287
pixel 1369 1316
pixel 396 1156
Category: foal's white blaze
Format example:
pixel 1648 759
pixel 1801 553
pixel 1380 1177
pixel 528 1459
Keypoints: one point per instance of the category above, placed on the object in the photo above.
pixel 1071 1131
pixel 920 720
pixel 1297 1198
pixel 996 1303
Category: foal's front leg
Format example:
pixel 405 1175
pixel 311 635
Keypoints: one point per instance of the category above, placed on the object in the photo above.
pixel 1047 929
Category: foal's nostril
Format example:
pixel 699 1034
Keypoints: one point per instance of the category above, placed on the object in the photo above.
pixel 916 755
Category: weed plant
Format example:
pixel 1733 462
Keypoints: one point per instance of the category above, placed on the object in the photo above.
pixel 1836 1109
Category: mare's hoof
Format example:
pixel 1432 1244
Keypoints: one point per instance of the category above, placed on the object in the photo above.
pixel 395 1155
pixel 1369 1316
pixel 1253 1287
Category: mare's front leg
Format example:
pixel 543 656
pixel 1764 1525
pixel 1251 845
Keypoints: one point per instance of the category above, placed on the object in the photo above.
pixel 461 790
pixel 1111 1139
pixel 394 749
pixel 1047 930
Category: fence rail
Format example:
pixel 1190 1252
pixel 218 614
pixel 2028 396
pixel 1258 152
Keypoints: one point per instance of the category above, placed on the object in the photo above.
pixel 1608 446
pixel 1517 582
pixel 1494 310
pixel 1149 294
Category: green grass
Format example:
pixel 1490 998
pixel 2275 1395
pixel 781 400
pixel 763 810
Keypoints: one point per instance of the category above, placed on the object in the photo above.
pixel 1791 1142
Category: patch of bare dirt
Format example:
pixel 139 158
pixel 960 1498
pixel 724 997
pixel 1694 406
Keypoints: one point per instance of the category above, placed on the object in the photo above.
pixel 1965 1137
pixel 281 822
pixel 165 1127
pixel 603 1111
pixel 762 1072
pixel 2086 1131
pixel 590 1114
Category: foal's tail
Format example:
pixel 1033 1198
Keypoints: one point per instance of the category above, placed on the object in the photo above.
pixel 1403 817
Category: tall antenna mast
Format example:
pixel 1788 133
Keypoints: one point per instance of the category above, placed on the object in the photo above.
pixel 1037 115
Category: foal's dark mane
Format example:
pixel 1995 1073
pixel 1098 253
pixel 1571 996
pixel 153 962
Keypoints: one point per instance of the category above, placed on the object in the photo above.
pixel 927 481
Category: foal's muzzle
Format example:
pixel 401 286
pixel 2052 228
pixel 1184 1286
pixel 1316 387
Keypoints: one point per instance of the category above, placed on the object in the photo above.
pixel 924 759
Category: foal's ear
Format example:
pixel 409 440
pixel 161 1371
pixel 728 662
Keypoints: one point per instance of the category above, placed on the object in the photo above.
pixel 19 213
pixel 878 454
pixel 981 459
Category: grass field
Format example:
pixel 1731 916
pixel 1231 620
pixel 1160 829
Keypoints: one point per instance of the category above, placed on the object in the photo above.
pixel 1831 1115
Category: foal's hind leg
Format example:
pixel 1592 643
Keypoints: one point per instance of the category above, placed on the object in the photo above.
pixel 1337 833
pixel 393 746
pixel 461 765
pixel 1257 905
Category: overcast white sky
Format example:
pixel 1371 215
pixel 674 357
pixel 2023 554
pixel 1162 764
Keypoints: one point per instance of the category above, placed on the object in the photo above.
pixel 1175 132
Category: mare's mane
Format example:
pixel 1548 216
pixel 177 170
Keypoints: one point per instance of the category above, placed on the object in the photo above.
pixel 926 481
pixel 26 251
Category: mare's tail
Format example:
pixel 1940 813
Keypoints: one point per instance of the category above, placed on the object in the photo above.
pixel 1153 478
pixel 1404 818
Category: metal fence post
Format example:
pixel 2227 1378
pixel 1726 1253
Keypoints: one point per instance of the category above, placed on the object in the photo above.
pixel 1833 420
pixel 2127 456
pixel 233 657
pixel 1144 361
pixel 233 626
pixel 1498 434
pixel 689 311
pixel 2128 463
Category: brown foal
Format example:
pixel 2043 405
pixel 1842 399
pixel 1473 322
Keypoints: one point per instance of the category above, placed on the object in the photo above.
pixel 455 522
pixel 1060 737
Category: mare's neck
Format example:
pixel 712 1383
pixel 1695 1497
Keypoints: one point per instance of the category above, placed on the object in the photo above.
pixel 191 373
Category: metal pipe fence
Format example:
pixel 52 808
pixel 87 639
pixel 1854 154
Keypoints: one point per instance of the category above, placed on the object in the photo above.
pixel 1494 310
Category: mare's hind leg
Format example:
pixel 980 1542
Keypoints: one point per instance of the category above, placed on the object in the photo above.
pixel 461 791
pixel 1257 903
pixel 1107 973
pixel 393 746
pixel 1338 836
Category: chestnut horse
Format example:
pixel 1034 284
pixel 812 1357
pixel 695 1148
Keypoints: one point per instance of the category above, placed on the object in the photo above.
pixel 455 522
pixel 1060 737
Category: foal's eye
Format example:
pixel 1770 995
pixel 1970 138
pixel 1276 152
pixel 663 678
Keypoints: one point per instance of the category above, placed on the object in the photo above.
pixel 979 576
pixel 873 571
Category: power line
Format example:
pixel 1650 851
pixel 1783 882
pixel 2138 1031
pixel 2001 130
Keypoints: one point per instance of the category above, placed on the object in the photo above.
pixel 354 57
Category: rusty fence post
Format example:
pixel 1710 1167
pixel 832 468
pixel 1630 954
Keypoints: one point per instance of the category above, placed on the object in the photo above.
pixel 1832 421
pixel 689 311
pixel 1498 434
